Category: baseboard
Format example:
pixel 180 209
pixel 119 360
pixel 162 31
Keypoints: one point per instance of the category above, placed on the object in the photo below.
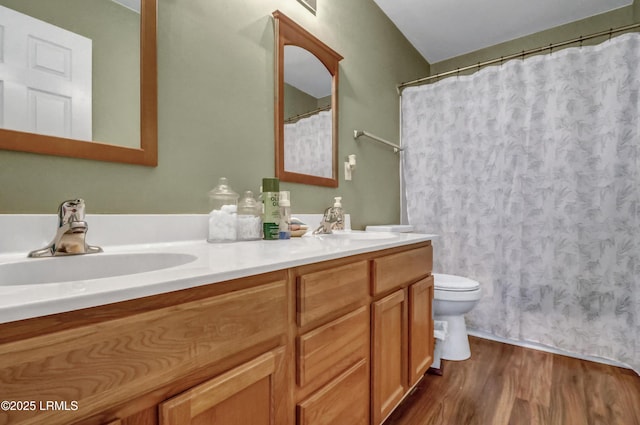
pixel 542 347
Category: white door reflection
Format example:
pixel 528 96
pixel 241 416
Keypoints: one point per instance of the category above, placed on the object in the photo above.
pixel 45 78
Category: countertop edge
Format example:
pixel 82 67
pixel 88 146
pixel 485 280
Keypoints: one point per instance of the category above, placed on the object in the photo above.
pixel 99 296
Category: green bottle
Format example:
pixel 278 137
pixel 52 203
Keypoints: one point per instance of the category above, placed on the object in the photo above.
pixel 271 216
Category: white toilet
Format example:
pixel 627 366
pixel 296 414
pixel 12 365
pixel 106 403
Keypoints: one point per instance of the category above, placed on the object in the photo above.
pixel 454 296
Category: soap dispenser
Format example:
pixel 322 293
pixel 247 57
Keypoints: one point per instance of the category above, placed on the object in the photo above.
pixel 332 219
pixel 338 213
pixel 285 215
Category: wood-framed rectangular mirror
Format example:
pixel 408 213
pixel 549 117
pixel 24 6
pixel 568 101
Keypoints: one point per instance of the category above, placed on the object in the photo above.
pixel 52 132
pixel 306 106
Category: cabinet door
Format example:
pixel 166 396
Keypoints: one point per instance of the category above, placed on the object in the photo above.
pixel 389 354
pixel 242 396
pixel 420 329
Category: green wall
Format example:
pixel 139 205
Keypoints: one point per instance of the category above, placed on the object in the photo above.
pixel 616 18
pixel 216 92
pixel 297 102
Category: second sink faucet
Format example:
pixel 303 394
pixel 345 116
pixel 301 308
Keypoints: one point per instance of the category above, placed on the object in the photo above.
pixel 71 233
pixel 333 218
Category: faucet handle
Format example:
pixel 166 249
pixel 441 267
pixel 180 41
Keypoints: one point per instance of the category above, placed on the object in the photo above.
pixel 70 210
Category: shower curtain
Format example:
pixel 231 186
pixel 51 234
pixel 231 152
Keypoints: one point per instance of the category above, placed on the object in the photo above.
pixel 530 174
pixel 307 145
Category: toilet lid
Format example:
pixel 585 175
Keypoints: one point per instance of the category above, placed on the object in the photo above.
pixel 449 282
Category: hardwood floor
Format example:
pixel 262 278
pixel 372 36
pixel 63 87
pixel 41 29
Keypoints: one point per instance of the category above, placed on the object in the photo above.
pixel 508 385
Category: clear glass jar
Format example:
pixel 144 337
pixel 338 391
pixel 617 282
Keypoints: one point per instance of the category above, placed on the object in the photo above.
pixel 223 202
pixel 249 218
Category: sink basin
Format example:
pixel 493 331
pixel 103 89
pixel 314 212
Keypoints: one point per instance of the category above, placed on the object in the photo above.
pixel 85 267
pixel 360 235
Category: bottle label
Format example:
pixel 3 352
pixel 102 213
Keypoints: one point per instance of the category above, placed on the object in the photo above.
pixel 270 231
pixel 271 221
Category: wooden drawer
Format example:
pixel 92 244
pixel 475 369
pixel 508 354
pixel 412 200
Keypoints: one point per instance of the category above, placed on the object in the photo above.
pixel 323 294
pixel 343 401
pixel 329 350
pixel 104 364
pixel 397 270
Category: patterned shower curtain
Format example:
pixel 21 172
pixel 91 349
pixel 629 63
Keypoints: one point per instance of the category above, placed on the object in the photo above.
pixel 530 173
pixel 307 145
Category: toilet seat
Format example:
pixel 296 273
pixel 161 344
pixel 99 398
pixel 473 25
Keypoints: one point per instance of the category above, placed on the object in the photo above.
pixel 455 288
pixel 447 282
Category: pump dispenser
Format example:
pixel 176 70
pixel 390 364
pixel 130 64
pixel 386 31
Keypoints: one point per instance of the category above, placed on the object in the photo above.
pixel 338 213
pixel 333 218
pixel 285 215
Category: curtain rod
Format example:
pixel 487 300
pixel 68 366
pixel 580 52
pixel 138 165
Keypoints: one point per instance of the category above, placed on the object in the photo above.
pixel 306 114
pixel 522 54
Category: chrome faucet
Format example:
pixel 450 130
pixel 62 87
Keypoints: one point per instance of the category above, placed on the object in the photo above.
pixel 333 219
pixel 71 233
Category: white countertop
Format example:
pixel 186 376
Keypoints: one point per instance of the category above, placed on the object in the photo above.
pixel 214 263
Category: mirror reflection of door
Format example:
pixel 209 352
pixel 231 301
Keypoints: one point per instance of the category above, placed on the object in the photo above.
pixel 308 128
pixel 45 77
pixel 71 69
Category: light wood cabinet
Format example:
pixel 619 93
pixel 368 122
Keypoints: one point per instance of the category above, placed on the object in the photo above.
pixel 243 395
pixel 402 327
pixel 119 364
pixel 328 350
pixel 344 401
pixel 332 356
pixel 329 343
pixel 395 270
pixel 322 293
pixel 420 329
pixel 389 354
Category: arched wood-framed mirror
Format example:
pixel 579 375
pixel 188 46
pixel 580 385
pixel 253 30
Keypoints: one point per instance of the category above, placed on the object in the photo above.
pixel 143 153
pixel 306 106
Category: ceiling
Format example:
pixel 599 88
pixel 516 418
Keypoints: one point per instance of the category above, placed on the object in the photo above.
pixel 443 29
pixel 305 72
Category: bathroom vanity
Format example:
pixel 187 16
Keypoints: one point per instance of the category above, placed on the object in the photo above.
pixel 320 330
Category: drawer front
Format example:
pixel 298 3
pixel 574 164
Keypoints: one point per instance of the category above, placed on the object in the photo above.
pixel 396 270
pixel 104 364
pixel 343 401
pixel 322 294
pixel 329 350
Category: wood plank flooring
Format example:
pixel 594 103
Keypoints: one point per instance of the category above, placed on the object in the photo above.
pixel 508 385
